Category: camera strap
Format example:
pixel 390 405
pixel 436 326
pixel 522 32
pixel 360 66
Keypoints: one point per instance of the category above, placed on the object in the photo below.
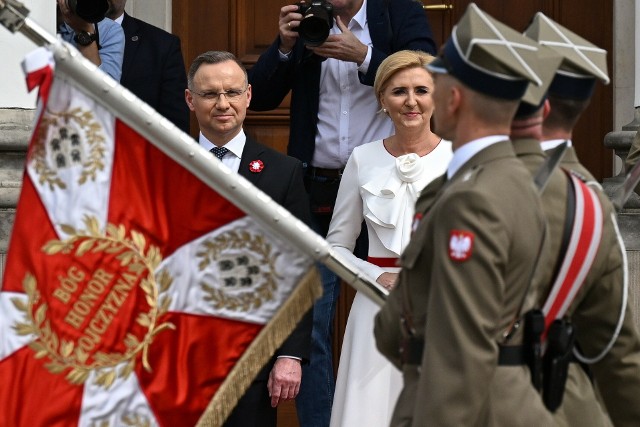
pixel 95 26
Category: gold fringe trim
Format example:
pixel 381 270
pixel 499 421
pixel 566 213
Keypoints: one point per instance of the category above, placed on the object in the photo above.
pixel 261 350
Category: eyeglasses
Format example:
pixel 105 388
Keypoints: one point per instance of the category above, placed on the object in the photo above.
pixel 231 95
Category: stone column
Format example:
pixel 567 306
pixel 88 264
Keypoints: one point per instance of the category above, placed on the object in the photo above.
pixel 15 130
pixel 626 59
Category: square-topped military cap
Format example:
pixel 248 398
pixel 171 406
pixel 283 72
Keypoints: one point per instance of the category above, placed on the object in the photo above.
pixel 546 66
pixel 583 62
pixel 488 56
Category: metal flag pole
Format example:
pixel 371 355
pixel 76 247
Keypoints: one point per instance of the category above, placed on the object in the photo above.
pixel 183 149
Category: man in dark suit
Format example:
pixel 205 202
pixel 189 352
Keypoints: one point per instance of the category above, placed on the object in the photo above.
pixel 219 94
pixel 333 110
pixel 153 68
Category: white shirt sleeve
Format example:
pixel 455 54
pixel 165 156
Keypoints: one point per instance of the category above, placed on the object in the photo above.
pixel 347 219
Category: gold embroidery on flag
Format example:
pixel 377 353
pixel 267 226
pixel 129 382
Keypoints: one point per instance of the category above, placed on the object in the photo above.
pixel 95 303
pixel 246 269
pixel 68 139
pixel 128 419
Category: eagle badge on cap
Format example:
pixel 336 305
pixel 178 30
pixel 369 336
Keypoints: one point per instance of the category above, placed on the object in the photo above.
pixel 460 245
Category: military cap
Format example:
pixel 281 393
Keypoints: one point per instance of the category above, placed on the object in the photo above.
pixel 488 56
pixel 583 63
pixel 546 66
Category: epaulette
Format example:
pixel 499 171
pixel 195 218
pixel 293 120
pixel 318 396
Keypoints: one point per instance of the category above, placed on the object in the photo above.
pixel 590 182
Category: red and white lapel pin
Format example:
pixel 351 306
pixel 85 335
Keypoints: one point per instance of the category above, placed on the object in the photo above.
pixel 256 166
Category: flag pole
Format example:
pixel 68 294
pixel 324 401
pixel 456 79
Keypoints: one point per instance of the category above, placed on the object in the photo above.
pixel 183 149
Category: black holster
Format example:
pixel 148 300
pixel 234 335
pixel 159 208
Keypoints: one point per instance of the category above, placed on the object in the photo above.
pixel 411 347
pixel 533 329
pixel 560 342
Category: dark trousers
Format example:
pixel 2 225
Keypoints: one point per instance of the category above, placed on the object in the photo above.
pixel 254 408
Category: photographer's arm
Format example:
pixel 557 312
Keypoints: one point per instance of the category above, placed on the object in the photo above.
pixel 272 75
pixel 107 52
pixel 410 31
pixel 79 25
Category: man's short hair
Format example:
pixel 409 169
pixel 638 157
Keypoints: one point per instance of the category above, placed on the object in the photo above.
pixel 564 113
pixel 213 57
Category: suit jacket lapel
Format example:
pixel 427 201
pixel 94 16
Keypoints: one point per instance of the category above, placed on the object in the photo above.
pixel 131 42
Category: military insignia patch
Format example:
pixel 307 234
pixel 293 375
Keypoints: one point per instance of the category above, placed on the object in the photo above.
pixel 460 245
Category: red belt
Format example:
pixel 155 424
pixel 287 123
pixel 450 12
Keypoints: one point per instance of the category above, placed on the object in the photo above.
pixel 383 262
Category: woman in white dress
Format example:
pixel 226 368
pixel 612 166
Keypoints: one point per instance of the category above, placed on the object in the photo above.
pixel 380 184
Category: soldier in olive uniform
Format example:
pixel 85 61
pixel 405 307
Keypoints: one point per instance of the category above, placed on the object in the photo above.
pixel 476 241
pixel 607 339
pixel 571 88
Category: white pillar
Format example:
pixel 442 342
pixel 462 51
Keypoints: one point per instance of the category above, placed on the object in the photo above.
pixel 637 54
pixel 13 47
pixel 155 12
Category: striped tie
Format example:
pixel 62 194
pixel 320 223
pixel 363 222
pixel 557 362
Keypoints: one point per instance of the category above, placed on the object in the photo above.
pixel 219 152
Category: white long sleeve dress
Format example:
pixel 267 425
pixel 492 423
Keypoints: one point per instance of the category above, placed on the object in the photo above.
pixel 382 190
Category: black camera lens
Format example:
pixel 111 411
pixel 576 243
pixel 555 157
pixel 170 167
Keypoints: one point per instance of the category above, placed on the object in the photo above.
pixel 89 10
pixel 317 20
pixel 313 30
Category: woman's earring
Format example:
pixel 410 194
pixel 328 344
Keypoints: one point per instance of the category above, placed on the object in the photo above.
pixel 384 110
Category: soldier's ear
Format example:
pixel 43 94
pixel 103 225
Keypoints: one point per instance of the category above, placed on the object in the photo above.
pixel 546 109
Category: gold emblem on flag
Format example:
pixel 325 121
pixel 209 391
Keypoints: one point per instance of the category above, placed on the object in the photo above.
pixel 80 318
pixel 65 140
pixel 129 419
pixel 246 267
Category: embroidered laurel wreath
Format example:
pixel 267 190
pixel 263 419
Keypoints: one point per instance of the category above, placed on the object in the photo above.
pixel 239 241
pixel 93 135
pixel 66 355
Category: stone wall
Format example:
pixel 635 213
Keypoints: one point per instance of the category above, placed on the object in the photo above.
pixel 15 129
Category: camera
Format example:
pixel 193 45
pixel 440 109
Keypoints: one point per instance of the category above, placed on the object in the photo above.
pixel 317 20
pixel 89 10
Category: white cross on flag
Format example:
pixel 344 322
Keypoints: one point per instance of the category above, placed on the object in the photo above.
pixel 131 289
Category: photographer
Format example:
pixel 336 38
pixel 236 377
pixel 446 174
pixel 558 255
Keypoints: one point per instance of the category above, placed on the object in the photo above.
pixel 102 42
pixel 333 110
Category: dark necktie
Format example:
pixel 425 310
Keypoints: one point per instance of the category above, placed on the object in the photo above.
pixel 219 152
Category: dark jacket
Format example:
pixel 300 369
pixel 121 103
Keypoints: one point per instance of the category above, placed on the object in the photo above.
pixel 281 179
pixel 153 69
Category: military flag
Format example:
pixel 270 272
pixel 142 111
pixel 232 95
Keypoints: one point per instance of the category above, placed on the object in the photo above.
pixel 133 294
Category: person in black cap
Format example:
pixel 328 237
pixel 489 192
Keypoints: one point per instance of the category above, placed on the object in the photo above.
pixel 474 248
pixel 606 339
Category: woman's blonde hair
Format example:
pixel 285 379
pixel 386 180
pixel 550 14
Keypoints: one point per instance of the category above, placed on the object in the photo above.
pixel 398 61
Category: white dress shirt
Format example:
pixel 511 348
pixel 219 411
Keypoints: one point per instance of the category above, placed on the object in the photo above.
pixel 235 147
pixel 553 143
pixel 348 110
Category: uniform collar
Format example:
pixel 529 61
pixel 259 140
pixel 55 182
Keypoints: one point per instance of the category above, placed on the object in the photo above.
pixel 463 154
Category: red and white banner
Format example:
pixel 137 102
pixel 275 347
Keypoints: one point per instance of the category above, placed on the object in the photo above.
pixel 131 288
